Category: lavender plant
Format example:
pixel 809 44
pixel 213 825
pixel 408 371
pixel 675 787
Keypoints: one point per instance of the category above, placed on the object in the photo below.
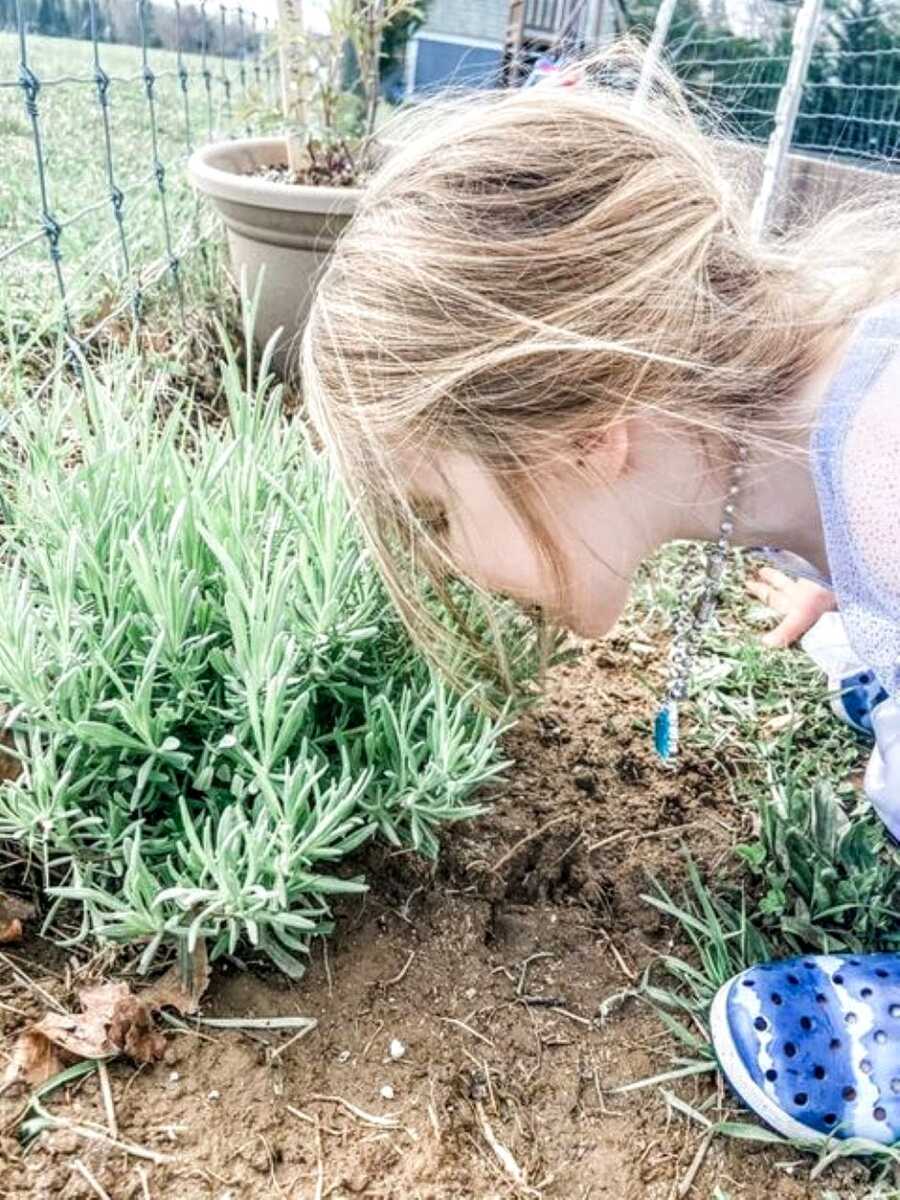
pixel 212 701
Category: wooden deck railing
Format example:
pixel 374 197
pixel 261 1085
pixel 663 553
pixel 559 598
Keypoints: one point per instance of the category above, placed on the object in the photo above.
pixel 545 16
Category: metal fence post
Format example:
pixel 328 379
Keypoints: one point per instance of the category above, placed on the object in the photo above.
pixel 31 86
pixel 183 75
pixel 664 16
pixel 224 79
pixel 159 171
pixel 116 195
pixel 805 29
pixel 205 72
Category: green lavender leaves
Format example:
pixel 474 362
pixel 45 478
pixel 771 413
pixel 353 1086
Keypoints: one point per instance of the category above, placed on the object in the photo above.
pixel 212 699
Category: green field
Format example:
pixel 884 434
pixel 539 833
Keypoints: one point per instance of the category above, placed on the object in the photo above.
pixel 74 151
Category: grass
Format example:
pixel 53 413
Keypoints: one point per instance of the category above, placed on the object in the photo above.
pixel 74 153
pixel 819 873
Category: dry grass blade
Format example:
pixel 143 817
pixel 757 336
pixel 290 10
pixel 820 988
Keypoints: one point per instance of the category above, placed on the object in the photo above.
pixel 503 1155
pixel 108 1105
pixel 355 1111
pixel 90 1179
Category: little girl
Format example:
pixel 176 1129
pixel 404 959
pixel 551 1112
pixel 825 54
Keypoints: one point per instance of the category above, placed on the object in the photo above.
pixel 548 344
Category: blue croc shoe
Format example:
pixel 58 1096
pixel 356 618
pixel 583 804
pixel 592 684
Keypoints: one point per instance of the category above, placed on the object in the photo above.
pixel 854 696
pixel 855 691
pixel 812 1045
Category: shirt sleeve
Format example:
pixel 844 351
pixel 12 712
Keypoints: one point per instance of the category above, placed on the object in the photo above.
pixel 870 467
pixel 882 780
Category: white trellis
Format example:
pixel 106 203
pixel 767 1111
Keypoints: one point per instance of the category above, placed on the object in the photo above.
pixel 806 28
pixel 846 115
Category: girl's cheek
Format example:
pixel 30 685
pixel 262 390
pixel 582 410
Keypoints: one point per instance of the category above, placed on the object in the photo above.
pixel 501 561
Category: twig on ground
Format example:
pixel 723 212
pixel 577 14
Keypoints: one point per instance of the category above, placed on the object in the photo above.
pixel 31 985
pixel 20 1012
pixel 502 1154
pixel 327 966
pixel 145 1187
pixel 320 1163
pixel 432 1109
pixel 601 1101
pixel 89 1178
pixel 271 1157
pixel 404 910
pixel 529 837
pixel 688 1182
pixel 95 1135
pixel 700 1068
pixel 490 1085
pixel 616 1000
pixel 564 1012
pixel 631 836
pixel 630 974
pixel 520 986
pixel 368 1046
pixel 298 1112
pixel 355 1111
pixel 468 1028
pixel 396 978
pixel 307 1024
pixel 568 850
pixel 296 1038
pixel 106 1093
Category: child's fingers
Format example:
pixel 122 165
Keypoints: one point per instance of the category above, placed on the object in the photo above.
pixel 790 630
pixel 770 595
pixel 777 579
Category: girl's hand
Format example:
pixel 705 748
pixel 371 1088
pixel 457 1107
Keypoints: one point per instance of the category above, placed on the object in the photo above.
pixel 800 601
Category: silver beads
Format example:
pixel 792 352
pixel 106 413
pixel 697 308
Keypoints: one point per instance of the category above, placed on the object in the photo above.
pixel 690 621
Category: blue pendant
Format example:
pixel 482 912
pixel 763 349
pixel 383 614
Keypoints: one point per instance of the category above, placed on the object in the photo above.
pixel 665 731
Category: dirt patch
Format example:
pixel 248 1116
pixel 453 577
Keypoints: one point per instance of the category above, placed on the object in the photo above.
pixel 490 968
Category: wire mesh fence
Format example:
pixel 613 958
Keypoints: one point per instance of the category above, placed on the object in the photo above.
pixel 849 103
pixel 95 210
pixel 95 207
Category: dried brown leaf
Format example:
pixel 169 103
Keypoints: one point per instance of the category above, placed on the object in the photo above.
pixel 112 1022
pixel 131 1029
pixel 13 912
pixel 10 931
pixel 34 1060
pixel 10 766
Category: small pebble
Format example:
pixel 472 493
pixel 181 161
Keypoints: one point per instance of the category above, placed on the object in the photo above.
pixel 396 1048
pixel 387 1092
pixel 470 993
pixel 174 1077
pixel 343 1056
pixel 213 1095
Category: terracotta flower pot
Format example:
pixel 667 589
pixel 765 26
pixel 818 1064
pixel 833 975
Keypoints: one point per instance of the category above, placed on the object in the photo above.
pixel 287 228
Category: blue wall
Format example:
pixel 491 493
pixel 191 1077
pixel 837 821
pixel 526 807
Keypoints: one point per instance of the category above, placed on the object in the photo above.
pixel 446 64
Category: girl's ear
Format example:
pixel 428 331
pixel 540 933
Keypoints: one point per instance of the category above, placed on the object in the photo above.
pixel 606 454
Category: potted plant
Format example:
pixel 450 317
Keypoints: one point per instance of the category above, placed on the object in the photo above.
pixel 286 199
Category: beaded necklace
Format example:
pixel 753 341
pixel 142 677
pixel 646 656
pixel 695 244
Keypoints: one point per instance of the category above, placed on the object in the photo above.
pixel 691 621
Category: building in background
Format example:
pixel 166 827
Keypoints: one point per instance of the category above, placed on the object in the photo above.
pixel 462 42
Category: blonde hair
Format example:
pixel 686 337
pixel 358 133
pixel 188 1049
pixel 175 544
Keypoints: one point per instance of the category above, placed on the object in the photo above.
pixel 529 267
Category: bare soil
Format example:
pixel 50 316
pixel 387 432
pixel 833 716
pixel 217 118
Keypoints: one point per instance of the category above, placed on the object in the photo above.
pixel 491 968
